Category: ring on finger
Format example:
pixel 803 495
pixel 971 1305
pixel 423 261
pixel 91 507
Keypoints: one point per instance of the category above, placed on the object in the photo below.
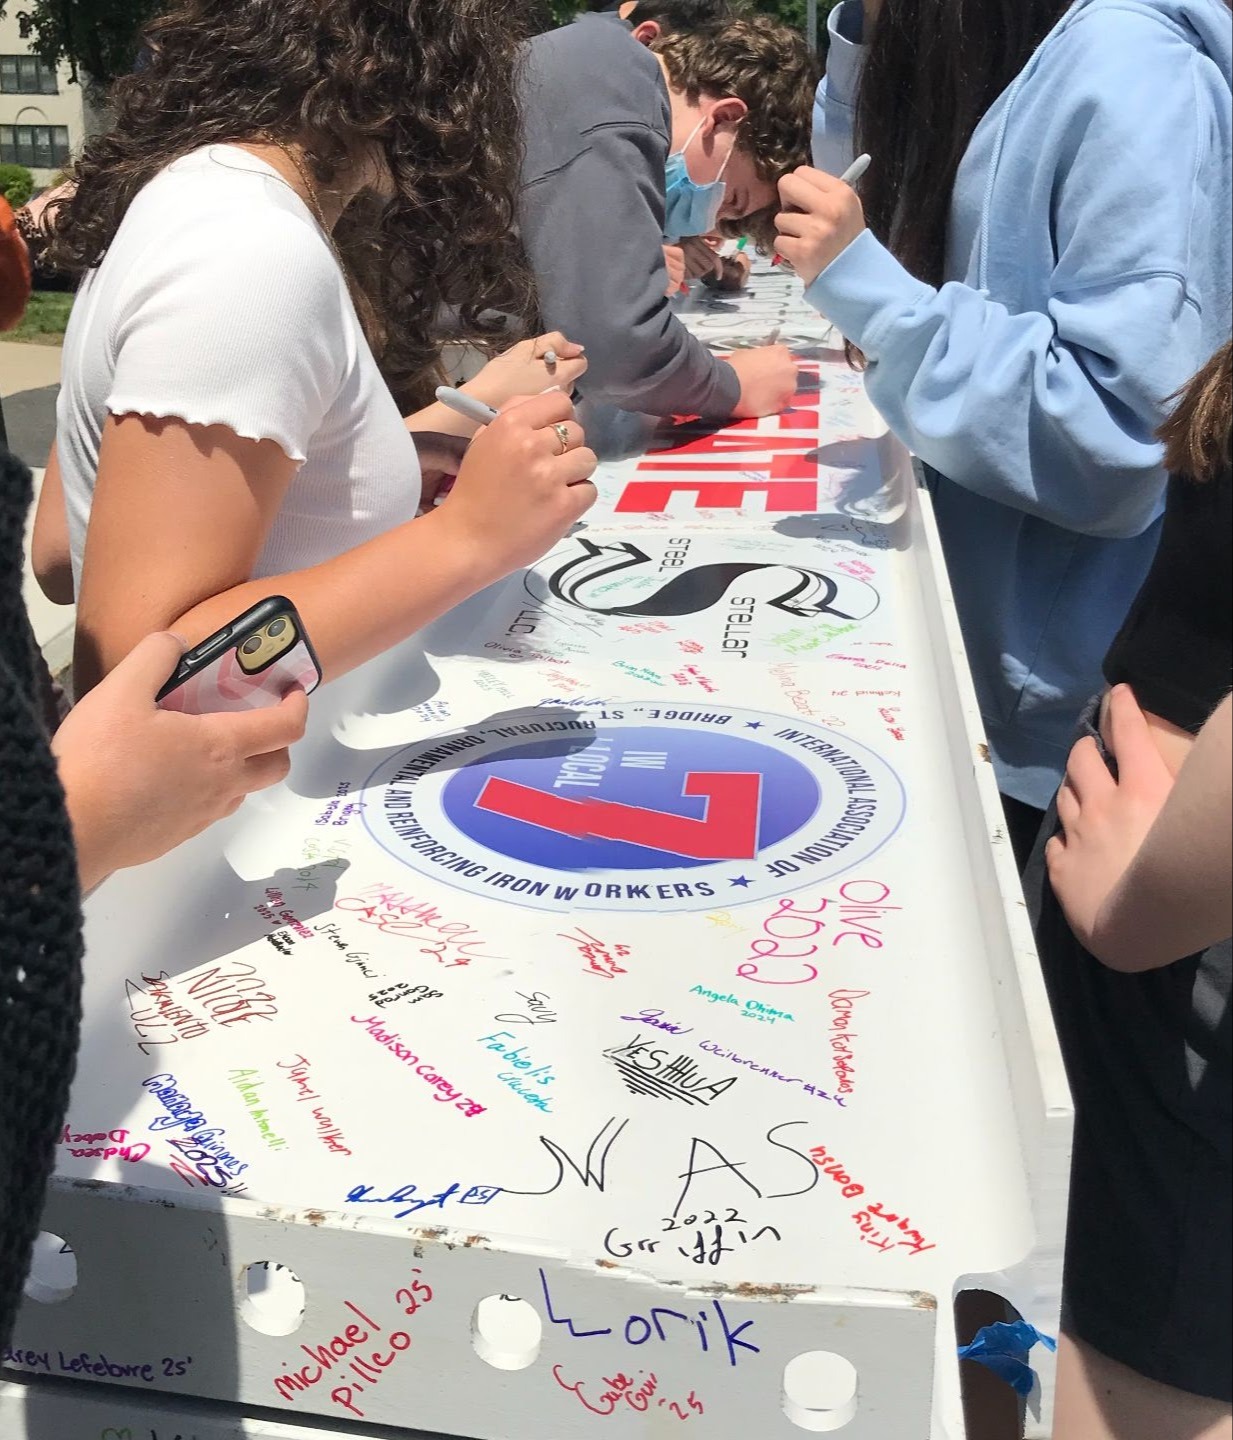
pixel 562 434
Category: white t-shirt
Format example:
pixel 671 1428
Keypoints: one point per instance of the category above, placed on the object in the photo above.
pixel 220 302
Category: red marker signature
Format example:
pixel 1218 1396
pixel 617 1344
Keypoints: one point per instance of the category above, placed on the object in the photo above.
pixel 601 958
pixel 622 1389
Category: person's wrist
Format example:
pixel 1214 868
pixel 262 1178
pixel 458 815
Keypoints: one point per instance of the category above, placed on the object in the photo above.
pixel 481 388
pixel 440 419
pixel 467 553
pixel 1116 937
pixel 91 820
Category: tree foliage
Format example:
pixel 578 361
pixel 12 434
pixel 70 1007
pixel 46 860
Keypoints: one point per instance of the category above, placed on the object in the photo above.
pixel 16 184
pixel 99 37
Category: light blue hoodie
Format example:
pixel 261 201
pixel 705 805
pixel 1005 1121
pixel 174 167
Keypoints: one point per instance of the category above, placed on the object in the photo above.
pixel 1087 278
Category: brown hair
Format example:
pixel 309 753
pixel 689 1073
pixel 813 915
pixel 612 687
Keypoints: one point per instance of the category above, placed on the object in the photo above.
pixel 1198 435
pixel 429 86
pixel 769 67
pixel 933 70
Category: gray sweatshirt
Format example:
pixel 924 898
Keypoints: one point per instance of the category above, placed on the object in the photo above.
pixel 591 212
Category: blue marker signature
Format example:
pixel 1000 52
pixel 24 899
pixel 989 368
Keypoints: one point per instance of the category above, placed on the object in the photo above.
pixel 406 1196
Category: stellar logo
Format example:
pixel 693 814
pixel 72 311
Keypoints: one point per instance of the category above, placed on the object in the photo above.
pixel 688 592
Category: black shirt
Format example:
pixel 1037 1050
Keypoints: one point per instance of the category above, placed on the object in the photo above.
pixel 1149 1263
pixel 1175 649
pixel 40 922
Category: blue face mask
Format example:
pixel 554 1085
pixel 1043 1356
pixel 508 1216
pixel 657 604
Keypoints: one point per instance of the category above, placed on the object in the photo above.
pixel 690 208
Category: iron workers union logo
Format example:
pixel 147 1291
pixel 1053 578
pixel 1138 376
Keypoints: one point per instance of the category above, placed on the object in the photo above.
pixel 636 806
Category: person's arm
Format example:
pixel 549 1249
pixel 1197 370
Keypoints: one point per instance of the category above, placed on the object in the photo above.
pixel 49 544
pixel 36 224
pixel 516 373
pixel 139 780
pixel 593 231
pixel 834 111
pixel 34 210
pixel 181 512
pixel 244 331
pixel 1051 411
pixel 1144 870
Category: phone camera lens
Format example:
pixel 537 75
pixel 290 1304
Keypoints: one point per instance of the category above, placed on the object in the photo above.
pixel 275 628
pixel 251 645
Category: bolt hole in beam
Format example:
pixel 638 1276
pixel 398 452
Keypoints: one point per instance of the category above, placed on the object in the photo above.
pixel 820 1391
pixel 506 1332
pixel 53 1270
pixel 272 1300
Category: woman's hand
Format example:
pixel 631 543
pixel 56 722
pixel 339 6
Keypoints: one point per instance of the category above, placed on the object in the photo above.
pixel 820 219
pixel 1105 822
pixel 524 482
pixel 523 371
pixel 140 781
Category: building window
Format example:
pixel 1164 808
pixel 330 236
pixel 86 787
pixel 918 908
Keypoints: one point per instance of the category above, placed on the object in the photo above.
pixel 40 147
pixel 27 75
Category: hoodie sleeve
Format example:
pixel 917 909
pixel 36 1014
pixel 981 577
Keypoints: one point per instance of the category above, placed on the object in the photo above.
pixel 834 110
pixel 1054 411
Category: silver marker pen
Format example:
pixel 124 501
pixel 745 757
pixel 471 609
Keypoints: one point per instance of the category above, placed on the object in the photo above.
pixel 857 168
pixel 465 405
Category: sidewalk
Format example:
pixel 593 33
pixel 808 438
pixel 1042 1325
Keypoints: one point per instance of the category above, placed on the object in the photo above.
pixel 25 367
pixel 29 380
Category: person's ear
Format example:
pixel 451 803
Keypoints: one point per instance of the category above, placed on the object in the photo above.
pixel 648 31
pixel 729 111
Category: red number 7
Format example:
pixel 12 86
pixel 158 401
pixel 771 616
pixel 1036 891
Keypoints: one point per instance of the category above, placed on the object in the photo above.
pixel 727 831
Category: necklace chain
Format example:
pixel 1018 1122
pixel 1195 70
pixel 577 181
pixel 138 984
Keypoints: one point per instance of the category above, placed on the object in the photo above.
pixel 314 204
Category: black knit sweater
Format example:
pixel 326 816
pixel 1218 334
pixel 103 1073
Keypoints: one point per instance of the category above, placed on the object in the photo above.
pixel 40 922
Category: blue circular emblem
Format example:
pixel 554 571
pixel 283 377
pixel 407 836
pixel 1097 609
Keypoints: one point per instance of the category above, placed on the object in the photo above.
pixel 634 804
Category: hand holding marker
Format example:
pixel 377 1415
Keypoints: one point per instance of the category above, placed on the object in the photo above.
pixel 849 177
pixel 481 414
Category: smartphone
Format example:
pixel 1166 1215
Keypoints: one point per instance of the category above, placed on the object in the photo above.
pixel 251 663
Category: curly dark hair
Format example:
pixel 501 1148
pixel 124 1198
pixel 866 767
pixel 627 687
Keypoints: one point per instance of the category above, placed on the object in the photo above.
pixel 429 83
pixel 769 66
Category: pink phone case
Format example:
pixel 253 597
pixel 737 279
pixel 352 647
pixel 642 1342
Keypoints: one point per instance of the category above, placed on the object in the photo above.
pixel 223 685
